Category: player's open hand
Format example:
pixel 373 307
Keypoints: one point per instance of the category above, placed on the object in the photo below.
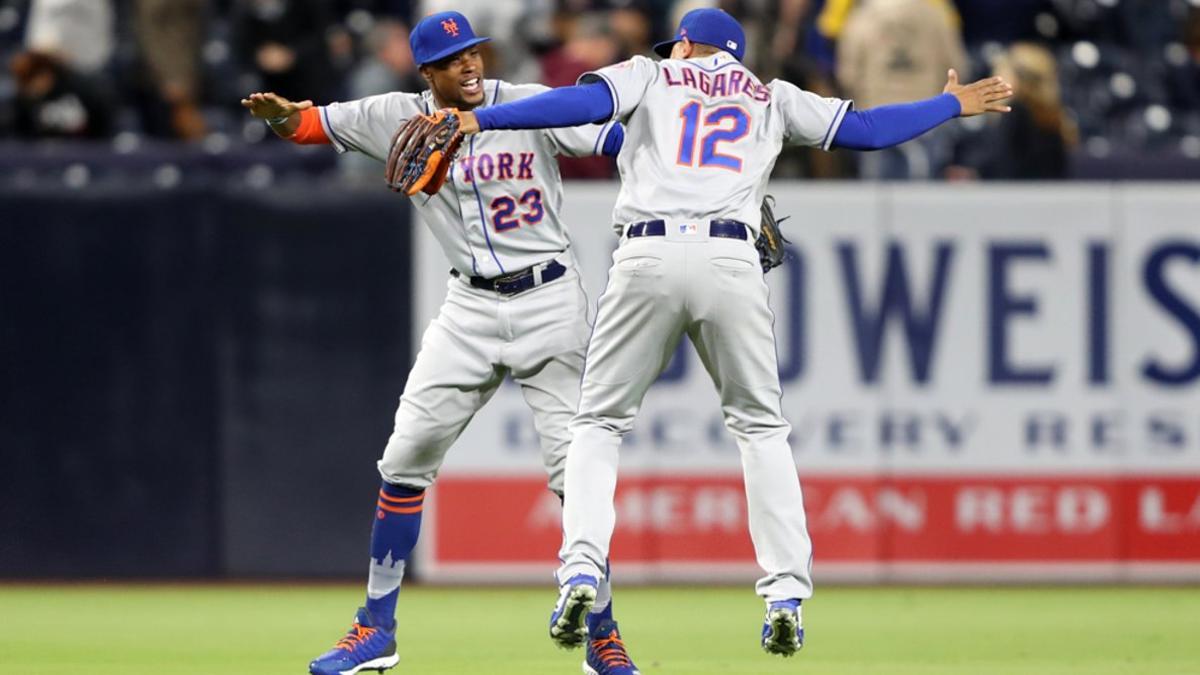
pixel 269 105
pixel 986 95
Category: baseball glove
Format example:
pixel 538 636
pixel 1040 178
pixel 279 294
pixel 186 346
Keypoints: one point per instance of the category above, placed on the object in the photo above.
pixel 421 153
pixel 770 238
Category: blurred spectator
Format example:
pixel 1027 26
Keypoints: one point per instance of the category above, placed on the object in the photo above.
pixel 1034 140
pixel 169 35
pixel 1129 69
pixel 388 65
pixel 828 20
pixel 588 43
pixel 54 101
pixel 81 32
pixel 894 51
pixel 284 42
pixel 628 24
pixel 785 37
pixel 764 27
pixel 632 29
pixel 637 24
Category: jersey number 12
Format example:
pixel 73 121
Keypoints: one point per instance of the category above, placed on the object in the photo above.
pixel 726 124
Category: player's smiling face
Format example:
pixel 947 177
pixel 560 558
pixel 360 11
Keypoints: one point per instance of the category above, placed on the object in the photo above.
pixel 457 80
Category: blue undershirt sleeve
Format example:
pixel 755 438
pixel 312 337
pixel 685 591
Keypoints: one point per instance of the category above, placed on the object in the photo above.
pixel 889 125
pixel 614 140
pixel 562 107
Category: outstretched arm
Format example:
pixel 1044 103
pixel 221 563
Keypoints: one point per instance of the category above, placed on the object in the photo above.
pixel 889 125
pixel 610 93
pixel 282 115
pixel 561 107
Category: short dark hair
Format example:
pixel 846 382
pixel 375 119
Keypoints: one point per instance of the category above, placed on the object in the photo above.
pixel 702 49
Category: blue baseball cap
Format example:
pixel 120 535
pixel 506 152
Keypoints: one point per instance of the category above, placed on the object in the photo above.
pixel 708 27
pixel 439 35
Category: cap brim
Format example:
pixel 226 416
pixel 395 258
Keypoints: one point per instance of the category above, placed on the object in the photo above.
pixel 453 49
pixel 663 49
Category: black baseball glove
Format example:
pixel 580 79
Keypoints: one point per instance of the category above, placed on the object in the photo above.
pixel 770 238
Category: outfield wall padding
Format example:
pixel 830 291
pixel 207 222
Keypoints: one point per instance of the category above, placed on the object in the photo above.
pixel 196 382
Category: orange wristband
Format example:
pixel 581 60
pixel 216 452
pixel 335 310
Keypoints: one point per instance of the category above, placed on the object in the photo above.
pixel 310 131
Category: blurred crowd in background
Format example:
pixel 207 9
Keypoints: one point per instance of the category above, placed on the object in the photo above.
pixel 1094 77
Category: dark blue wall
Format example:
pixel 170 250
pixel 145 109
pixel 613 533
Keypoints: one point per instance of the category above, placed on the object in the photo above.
pixel 196 381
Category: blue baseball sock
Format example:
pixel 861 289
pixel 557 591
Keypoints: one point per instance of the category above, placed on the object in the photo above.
pixel 397 525
pixel 599 616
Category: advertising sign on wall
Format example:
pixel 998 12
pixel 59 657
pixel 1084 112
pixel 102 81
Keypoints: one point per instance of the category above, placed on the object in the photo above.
pixel 984 383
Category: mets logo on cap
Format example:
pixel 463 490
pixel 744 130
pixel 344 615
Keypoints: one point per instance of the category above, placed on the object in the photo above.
pixel 441 35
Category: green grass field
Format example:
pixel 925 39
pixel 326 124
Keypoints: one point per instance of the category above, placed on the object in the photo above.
pixel 261 630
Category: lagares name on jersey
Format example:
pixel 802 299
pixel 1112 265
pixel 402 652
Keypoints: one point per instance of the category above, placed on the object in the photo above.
pixel 717 85
pixel 499 166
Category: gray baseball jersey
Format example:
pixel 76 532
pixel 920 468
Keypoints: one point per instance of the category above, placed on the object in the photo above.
pixel 500 208
pixel 702 135
pixel 498 213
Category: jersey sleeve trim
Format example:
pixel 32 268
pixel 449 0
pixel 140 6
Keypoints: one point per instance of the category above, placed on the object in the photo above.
pixel 594 76
pixel 334 139
pixel 601 136
pixel 827 142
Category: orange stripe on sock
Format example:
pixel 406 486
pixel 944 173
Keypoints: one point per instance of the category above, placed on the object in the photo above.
pixel 400 500
pixel 392 509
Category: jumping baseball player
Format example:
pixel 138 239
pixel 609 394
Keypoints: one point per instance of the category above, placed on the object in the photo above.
pixel 702 134
pixel 514 305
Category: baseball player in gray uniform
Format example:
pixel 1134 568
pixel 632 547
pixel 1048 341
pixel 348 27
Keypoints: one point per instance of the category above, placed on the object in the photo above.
pixel 514 301
pixel 703 134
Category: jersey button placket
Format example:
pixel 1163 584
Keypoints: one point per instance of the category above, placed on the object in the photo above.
pixel 469 200
pixel 456 195
pixel 468 205
pixel 480 234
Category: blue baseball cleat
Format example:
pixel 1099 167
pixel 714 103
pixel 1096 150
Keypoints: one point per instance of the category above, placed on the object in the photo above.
pixel 782 633
pixel 606 653
pixel 365 647
pixel 568 626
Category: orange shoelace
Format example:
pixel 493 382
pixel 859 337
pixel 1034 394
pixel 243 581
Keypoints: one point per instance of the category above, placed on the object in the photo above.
pixel 611 650
pixel 355 638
